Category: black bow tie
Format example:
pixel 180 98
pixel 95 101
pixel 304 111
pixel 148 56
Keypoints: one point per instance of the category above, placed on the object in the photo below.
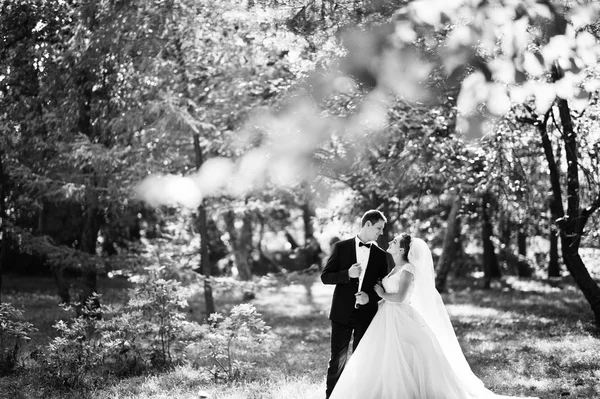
pixel 362 244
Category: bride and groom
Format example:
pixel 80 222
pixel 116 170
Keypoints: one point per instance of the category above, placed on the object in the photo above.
pixel 408 348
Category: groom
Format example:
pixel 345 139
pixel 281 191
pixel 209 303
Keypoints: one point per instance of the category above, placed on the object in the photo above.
pixel 355 266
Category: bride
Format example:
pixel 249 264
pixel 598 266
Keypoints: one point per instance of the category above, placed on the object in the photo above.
pixel 410 350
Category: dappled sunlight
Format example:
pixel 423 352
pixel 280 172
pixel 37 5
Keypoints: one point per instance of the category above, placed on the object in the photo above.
pixel 295 300
pixel 531 285
pixel 579 348
pixel 474 311
pixel 522 310
pixel 292 388
pixel 466 313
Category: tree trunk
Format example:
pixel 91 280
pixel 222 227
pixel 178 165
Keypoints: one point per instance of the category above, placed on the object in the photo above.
pixel 589 288
pixel 388 228
pixel 553 265
pixel 202 225
pixel 523 267
pixel 505 230
pixel 449 248
pixel 201 218
pixel 239 243
pixel 572 228
pixel 521 242
pixel 491 268
pixel 205 267
pixel 308 214
pixel 89 239
pixel 91 227
pixel 3 230
pixel 572 223
pixel 62 285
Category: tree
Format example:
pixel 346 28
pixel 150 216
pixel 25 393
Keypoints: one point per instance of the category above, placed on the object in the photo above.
pixel 451 244
pixel 3 220
pixel 491 269
pixel 571 222
pixel 538 50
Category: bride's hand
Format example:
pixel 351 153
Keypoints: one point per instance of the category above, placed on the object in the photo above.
pixel 379 290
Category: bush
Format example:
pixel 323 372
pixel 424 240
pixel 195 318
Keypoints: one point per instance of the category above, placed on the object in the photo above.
pixel 149 333
pixel 228 342
pixel 151 330
pixel 14 333
pixel 74 358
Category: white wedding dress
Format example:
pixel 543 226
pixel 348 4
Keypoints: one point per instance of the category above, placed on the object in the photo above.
pixel 400 356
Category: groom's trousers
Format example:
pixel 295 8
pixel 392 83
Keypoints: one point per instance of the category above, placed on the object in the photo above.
pixel 340 341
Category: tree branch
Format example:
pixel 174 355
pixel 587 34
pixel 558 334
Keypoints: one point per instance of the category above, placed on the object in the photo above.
pixel 586 213
pixel 556 204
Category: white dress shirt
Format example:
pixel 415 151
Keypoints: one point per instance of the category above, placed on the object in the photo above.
pixel 362 257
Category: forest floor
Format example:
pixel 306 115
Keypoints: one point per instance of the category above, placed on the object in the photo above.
pixel 522 337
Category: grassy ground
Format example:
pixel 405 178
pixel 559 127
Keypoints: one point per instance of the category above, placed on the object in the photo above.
pixel 524 338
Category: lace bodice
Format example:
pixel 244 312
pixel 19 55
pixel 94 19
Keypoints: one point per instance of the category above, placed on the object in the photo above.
pixel 391 282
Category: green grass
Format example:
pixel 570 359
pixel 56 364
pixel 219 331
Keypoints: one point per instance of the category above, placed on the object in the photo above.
pixel 524 338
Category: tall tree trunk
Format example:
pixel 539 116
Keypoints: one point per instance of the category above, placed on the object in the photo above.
pixel 239 243
pixel 570 224
pixel 3 230
pixel 581 275
pixel 553 265
pixel 491 268
pixel 202 225
pixel 572 227
pixel 89 240
pixel 308 213
pixel 460 263
pixel 523 267
pixel 91 227
pixel 201 218
pixel 505 227
pixel 449 248
pixel 388 228
pixel 62 284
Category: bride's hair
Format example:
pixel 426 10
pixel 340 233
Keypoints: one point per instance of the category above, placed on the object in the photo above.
pixel 404 242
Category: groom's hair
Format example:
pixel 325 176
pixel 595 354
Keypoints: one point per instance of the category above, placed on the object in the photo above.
pixel 372 216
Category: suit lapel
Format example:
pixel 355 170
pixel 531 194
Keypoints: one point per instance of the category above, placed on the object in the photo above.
pixel 352 252
pixel 372 256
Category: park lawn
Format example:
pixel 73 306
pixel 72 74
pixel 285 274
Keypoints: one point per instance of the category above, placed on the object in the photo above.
pixel 522 338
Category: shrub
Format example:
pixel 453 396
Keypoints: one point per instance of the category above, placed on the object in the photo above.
pixel 155 313
pixel 228 343
pixel 74 357
pixel 149 333
pixel 14 333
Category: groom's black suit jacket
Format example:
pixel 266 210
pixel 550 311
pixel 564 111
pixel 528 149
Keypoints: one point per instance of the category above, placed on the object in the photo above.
pixel 336 272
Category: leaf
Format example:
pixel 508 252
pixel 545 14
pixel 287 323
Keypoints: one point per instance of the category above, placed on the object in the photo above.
pixel 533 64
pixel 559 47
pixel 498 102
pixel 545 95
pixel 472 93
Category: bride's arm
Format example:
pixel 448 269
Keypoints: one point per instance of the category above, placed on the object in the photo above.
pixel 406 279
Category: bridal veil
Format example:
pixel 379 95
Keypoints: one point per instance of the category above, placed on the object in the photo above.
pixel 427 301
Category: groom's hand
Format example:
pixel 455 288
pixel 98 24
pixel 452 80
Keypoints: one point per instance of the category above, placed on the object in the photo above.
pixel 362 298
pixel 379 290
pixel 354 271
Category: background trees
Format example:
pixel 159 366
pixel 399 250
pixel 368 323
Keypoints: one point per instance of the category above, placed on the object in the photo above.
pixel 248 114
